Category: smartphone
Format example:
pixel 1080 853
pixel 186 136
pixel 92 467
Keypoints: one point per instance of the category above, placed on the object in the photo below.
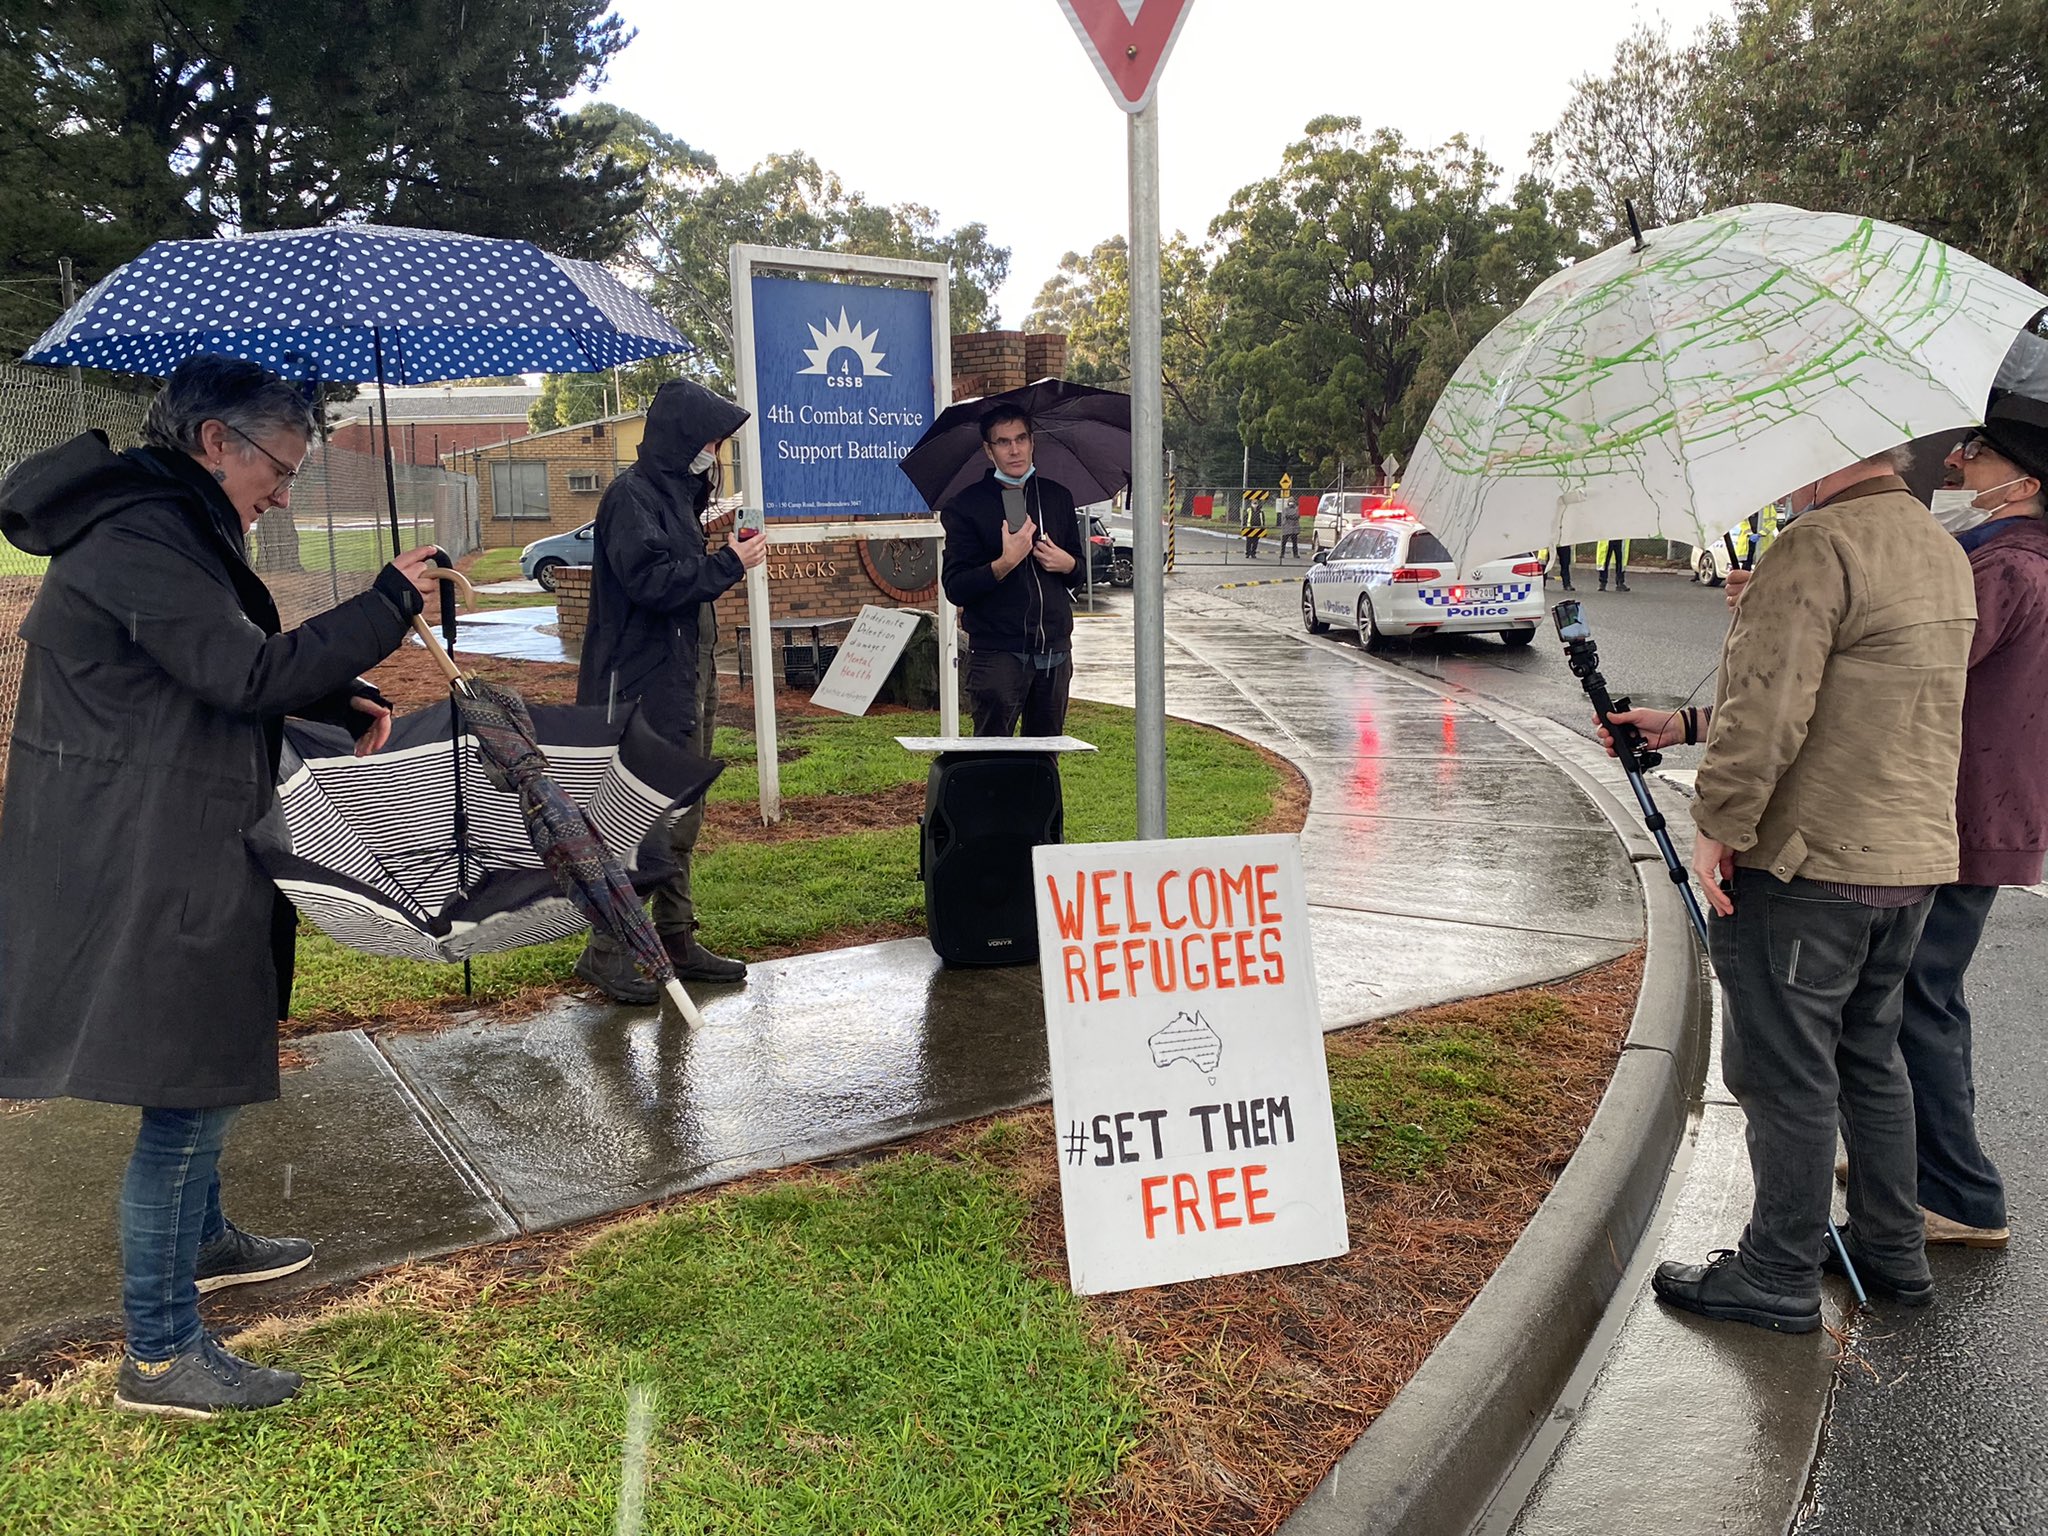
pixel 1014 517
pixel 1570 619
pixel 749 523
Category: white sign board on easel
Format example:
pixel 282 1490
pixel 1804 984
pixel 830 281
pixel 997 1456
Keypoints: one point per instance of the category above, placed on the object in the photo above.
pixel 865 656
pixel 1189 1088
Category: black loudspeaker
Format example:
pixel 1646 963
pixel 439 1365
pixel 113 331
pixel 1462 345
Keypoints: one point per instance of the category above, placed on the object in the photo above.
pixel 983 814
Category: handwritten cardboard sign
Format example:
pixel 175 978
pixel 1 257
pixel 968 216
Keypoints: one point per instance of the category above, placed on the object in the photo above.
pixel 1188 1081
pixel 865 656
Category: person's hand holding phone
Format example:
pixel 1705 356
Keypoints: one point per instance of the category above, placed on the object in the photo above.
pixel 1017 544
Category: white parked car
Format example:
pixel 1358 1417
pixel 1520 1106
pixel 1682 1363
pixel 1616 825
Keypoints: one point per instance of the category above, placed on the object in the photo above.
pixel 1338 512
pixel 1391 576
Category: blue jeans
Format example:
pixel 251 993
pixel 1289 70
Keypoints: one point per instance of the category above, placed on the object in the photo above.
pixel 170 1209
pixel 1956 1179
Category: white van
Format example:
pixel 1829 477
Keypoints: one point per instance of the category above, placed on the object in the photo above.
pixel 1341 511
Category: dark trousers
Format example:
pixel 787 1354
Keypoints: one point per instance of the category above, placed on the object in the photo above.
pixel 1956 1179
pixel 1564 566
pixel 1290 538
pixel 170 1209
pixel 675 910
pixel 1612 559
pixel 1003 690
pixel 1811 1029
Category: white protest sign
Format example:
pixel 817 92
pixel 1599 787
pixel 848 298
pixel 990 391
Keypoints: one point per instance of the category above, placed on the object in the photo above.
pixel 1188 1081
pixel 865 657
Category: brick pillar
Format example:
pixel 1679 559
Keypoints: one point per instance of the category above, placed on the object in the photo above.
pixel 572 603
pixel 1045 356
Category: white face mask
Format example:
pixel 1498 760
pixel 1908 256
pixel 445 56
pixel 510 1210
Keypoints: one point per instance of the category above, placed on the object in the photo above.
pixel 1956 508
pixel 703 462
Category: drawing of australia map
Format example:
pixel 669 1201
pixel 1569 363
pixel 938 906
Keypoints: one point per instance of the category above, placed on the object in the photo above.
pixel 1188 1038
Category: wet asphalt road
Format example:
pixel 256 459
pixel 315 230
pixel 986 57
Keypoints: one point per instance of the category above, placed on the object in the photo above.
pixel 1939 1421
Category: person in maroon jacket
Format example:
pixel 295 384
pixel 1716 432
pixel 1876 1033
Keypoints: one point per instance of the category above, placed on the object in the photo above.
pixel 2001 805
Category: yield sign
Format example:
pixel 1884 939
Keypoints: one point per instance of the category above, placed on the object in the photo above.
pixel 1129 41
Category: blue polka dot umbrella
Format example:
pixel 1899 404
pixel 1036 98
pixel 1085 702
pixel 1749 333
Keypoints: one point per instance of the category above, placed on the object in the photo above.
pixel 356 303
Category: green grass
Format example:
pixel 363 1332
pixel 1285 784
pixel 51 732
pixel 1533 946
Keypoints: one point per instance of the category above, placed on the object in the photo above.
pixel 1410 1100
pixel 496 565
pixel 754 896
pixel 850 1354
pixel 849 1357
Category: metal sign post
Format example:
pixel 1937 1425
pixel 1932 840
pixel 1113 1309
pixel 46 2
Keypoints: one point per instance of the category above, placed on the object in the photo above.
pixel 1129 41
pixel 837 338
pixel 1148 443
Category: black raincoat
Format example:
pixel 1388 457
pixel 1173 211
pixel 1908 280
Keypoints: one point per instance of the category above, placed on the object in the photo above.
pixel 145 958
pixel 651 572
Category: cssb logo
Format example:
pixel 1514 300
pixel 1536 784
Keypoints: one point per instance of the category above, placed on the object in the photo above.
pixel 840 336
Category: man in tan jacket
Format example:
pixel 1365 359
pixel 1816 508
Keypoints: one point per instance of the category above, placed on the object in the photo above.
pixel 1826 816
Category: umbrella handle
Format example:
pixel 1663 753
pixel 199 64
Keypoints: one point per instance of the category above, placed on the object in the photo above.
pixel 449 574
pixel 436 650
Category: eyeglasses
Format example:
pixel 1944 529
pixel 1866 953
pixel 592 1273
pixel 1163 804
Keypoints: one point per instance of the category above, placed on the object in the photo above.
pixel 1971 446
pixel 286 473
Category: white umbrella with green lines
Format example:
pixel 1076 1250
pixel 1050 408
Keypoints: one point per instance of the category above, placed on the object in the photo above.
pixel 1670 387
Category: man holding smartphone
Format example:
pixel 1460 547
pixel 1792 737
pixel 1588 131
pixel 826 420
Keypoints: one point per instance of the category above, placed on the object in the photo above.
pixel 1013 554
pixel 650 641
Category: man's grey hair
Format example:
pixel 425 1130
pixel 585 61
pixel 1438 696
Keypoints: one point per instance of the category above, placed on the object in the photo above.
pixel 1900 459
pixel 243 395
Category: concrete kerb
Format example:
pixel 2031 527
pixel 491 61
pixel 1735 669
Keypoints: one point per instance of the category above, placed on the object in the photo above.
pixel 1432 1461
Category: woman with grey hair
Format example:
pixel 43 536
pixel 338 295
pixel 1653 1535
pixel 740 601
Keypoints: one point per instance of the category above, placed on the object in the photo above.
pixel 145 958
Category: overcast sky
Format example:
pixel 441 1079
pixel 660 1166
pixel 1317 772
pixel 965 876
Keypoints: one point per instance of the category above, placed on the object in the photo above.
pixel 990 110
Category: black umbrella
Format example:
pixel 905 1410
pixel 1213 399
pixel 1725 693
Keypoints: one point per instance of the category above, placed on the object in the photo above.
pixel 1081 437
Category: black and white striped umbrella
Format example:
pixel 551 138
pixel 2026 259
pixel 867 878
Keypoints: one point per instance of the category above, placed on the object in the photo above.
pixel 368 847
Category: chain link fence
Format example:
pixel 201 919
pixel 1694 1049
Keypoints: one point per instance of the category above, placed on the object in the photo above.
pixel 326 546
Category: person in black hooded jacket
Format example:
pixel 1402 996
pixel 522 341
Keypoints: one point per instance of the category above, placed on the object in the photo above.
pixel 1013 557
pixel 650 640
pixel 145 957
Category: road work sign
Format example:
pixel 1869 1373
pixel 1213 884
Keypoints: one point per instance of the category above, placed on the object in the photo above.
pixel 1188 1083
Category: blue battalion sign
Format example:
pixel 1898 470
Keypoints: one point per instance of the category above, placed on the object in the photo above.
pixel 844 376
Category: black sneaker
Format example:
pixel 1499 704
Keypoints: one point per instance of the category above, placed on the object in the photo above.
pixel 1719 1289
pixel 693 962
pixel 201 1382
pixel 241 1258
pixel 614 974
pixel 1916 1292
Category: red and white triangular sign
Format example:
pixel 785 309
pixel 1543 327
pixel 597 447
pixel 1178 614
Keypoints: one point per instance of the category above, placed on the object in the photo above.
pixel 1129 41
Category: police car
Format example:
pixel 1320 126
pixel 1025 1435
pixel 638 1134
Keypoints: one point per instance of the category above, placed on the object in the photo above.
pixel 1391 576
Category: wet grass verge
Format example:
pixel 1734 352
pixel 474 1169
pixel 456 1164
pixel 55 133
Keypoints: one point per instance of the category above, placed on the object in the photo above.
pixel 887 1346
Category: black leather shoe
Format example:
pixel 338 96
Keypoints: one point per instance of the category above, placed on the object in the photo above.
pixel 693 962
pixel 1910 1293
pixel 615 975
pixel 1719 1289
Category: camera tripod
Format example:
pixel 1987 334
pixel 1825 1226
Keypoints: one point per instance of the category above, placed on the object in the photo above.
pixel 1637 758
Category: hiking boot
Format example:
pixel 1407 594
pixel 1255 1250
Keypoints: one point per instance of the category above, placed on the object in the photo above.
pixel 693 962
pixel 201 1382
pixel 1913 1292
pixel 613 973
pixel 1621 586
pixel 1719 1289
pixel 1940 1229
pixel 242 1258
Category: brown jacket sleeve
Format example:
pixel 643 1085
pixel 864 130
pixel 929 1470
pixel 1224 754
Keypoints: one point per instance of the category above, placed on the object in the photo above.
pixel 1788 623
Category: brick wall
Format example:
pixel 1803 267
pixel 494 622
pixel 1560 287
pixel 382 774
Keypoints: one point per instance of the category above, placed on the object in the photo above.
pixel 572 603
pixel 989 362
pixel 1045 356
pixel 418 442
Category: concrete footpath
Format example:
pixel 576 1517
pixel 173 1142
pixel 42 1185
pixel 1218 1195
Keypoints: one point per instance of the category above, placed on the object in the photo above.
pixel 1448 853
